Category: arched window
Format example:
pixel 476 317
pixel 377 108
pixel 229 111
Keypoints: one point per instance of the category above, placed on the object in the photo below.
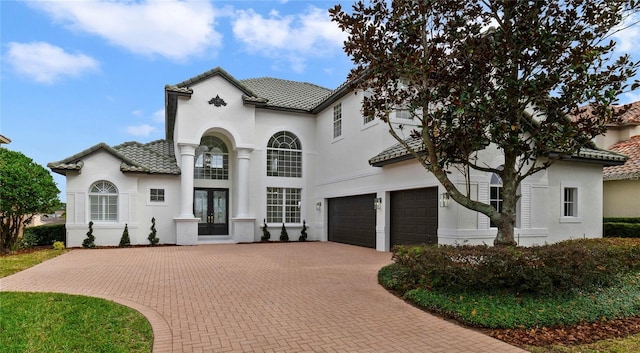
pixel 284 155
pixel 211 159
pixel 103 199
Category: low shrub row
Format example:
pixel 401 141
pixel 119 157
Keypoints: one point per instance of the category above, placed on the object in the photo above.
pixel 621 220
pixel 621 230
pixel 550 269
pixel 44 235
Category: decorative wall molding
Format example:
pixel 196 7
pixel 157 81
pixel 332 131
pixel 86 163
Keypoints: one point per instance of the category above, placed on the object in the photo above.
pixel 217 101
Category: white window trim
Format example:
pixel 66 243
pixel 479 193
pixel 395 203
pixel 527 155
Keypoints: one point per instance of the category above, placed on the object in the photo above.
pixel 571 219
pixel 156 203
pixel 118 199
pixel 333 122
pixel 284 206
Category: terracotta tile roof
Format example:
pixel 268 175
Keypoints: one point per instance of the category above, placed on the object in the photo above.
pixel 155 157
pixel 4 139
pixel 629 117
pixel 397 153
pixel 631 169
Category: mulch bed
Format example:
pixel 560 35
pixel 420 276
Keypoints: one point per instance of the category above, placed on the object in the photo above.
pixel 572 335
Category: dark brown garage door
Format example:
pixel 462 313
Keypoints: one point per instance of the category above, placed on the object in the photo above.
pixel 352 220
pixel 414 216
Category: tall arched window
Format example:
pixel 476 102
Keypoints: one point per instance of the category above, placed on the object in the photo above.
pixel 212 159
pixel 103 199
pixel 284 155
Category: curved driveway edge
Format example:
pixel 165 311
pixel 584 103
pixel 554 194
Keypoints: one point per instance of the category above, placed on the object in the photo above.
pixel 295 297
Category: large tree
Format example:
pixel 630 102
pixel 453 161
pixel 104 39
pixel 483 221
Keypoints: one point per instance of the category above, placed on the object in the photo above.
pixel 26 188
pixel 489 74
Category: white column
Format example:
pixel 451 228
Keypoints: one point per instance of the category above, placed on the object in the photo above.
pixel 244 156
pixel 187 152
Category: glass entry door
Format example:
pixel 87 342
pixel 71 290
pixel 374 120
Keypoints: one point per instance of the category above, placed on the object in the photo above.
pixel 210 206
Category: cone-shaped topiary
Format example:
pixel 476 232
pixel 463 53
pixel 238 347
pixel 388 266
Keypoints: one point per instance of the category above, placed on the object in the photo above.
pixel 124 240
pixel 303 232
pixel 266 235
pixel 88 242
pixel 153 239
pixel 283 234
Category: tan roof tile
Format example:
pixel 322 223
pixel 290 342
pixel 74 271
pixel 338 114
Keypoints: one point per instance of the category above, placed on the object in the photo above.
pixel 631 169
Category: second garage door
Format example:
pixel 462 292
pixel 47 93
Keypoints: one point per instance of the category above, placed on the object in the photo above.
pixel 352 220
pixel 414 216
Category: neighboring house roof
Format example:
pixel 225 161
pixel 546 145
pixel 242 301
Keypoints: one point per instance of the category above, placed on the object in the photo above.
pixel 4 139
pixel 398 153
pixel 155 157
pixel 631 169
pixel 630 117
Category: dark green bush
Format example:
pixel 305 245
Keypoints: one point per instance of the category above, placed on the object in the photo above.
pixel 504 311
pixel 621 230
pixel 558 268
pixel 621 220
pixel 44 235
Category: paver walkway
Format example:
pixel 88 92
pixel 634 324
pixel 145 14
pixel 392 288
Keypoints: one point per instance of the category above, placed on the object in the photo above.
pixel 296 297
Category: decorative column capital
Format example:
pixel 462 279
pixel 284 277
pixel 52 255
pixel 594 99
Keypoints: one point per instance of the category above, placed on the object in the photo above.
pixel 244 152
pixel 187 149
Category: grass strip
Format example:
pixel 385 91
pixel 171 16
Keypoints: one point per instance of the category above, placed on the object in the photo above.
pixel 11 264
pixel 52 322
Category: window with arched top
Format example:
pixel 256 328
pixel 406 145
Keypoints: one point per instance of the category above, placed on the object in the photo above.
pixel 103 200
pixel 211 159
pixel 284 155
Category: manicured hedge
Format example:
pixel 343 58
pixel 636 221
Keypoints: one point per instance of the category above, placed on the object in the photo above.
pixel 558 268
pixel 44 235
pixel 621 220
pixel 621 230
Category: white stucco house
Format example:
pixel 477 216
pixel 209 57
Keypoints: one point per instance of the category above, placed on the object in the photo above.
pixel 237 152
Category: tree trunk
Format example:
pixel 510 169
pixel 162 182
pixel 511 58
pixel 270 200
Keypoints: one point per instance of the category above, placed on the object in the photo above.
pixel 505 235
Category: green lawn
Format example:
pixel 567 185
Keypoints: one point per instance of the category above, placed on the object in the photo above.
pixel 11 264
pixel 52 322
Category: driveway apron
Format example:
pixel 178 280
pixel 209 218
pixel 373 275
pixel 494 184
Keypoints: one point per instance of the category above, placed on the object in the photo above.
pixel 293 297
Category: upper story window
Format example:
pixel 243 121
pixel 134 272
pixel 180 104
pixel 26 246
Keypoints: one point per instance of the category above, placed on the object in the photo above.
pixel 337 120
pixel 284 155
pixel 403 114
pixel 211 159
pixel 103 200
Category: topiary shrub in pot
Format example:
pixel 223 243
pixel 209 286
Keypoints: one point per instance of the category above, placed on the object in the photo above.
pixel 266 235
pixel 124 240
pixel 89 241
pixel 153 239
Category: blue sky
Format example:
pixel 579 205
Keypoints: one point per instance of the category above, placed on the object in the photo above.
pixel 75 73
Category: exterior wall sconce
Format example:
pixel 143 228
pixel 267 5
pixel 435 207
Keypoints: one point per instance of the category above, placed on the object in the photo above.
pixel 444 199
pixel 318 206
pixel 377 203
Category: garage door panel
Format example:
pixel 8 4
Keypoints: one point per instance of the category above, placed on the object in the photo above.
pixel 414 216
pixel 352 220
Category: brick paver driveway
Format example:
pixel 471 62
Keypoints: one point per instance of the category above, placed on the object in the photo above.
pixel 296 297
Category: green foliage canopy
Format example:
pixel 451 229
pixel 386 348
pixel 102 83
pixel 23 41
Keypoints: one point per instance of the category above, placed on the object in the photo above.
pixel 26 188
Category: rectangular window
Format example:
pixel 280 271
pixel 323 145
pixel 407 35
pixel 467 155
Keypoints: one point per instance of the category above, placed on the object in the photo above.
pixel 283 205
pixel 156 195
pixel 403 114
pixel 337 120
pixel 495 200
pixel 104 207
pixel 367 119
pixel 570 202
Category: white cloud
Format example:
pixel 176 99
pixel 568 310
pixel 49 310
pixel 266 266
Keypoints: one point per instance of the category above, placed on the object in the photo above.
pixel 47 63
pixel 173 29
pixel 293 38
pixel 628 35
pixel 143 130
pixel 158 116
pixel 137 112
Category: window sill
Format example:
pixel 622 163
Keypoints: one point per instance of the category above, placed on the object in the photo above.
pixel 369 124
pixel 570 220
pixel 337 139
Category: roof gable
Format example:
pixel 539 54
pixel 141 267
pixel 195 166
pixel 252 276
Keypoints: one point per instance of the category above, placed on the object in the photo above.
pixel 155 157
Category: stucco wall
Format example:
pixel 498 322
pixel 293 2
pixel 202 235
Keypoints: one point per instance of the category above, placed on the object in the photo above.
pixel 621 198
